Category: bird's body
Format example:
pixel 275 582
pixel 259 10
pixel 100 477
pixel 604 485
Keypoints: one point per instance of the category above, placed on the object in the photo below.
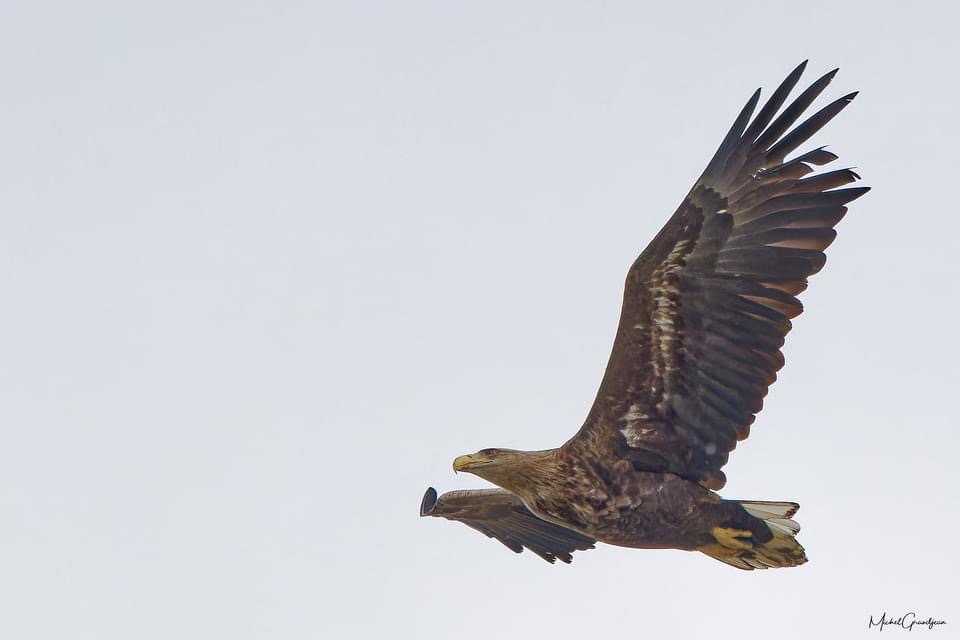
pixel 636 509
pixel 620 505
pixel 706 308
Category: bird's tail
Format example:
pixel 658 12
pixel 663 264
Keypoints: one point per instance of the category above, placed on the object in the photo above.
pixel 741 548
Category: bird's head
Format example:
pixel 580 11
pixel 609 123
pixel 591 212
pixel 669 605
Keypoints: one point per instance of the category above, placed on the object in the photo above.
pixel 485 459
pixel 504 467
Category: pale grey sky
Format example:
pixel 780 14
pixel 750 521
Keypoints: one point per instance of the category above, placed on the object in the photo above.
pixel 269 267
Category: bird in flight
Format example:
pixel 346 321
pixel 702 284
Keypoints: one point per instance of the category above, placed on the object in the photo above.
pixel 705 311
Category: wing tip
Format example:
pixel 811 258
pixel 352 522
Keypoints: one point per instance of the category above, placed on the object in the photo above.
pixel 794 76
pixel 428 502
pixel 852 193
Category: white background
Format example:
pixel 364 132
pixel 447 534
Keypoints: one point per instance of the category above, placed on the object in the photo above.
pixel 267 268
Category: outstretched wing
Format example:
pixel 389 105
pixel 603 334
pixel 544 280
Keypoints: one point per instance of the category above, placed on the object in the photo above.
pixel 500 514
pixel 708 303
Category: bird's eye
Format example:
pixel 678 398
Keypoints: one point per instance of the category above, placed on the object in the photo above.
pixel 488 452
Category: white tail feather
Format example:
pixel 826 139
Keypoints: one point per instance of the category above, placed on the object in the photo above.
pixel 767 510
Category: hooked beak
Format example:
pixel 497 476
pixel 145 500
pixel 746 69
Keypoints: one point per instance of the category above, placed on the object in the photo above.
pixel 465 463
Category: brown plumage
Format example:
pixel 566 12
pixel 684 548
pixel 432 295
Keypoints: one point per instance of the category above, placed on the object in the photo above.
pixel 706 308
pixel 502 515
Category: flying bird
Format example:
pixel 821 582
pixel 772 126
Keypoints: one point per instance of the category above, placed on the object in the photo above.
pixel 705 311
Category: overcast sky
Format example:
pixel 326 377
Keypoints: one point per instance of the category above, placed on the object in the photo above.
pixel 267 268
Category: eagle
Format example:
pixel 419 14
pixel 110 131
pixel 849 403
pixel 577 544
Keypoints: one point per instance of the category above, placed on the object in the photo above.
pixel 706 308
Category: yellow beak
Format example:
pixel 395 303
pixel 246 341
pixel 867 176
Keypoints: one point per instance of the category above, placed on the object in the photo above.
pixel 465 463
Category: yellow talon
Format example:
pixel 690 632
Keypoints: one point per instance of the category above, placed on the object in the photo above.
pixel 732 538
